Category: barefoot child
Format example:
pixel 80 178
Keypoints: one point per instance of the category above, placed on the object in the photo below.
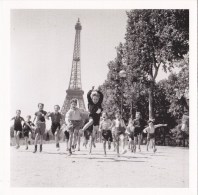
pixel 74 122
pixel 40 116
pixel 120 129
pixel 27 130
pixel 130 132
pixel 105 127
pixel 17 127
pixel 151 133
pixel 95 98
pixel 57 121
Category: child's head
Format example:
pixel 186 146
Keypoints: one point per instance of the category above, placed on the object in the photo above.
pixel 56 108
pixel 118 115
pixel 73 103
pixel 28 117
pixel 40 106
pixel 95 97
pixel 151 122
pixel 18 112
pixel 104 115
pixel 137 115
pixel 131 121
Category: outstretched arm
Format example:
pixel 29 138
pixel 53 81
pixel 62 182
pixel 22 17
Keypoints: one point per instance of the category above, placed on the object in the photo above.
pixel 160 125
pixel 89 96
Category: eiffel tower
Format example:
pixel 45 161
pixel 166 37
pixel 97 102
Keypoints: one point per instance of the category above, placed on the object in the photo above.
pixel 75 86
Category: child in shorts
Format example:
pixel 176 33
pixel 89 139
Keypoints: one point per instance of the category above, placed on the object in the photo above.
pixel 150 130
pixel 40 116
pixel 105 127
pixel 17 127
pixel 74 122
pixel 95 98
pixel 27 130
pixel 120 135
pixel 130 132
pixel 57 120
pixel 138 128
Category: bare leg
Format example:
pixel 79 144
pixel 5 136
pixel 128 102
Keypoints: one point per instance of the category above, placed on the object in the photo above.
pixel 135 144
pixel 26 142
pixel 104 147
pixel 88 124
pixel 30 137
pixel 139 141
pixel 147 145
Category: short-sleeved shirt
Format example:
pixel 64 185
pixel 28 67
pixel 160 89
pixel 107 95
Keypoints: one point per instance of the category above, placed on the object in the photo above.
pixel 40 116
pixel 56 117
pixel 17 122
pixel 105 124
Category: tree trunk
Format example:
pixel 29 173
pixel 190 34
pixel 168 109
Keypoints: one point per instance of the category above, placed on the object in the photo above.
pixel 151 99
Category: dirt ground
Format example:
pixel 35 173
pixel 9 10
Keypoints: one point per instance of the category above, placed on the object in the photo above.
pixel 168 167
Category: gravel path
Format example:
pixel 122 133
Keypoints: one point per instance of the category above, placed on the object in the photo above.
pixel 166 168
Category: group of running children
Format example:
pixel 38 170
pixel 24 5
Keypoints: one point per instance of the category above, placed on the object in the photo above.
pixel 78 122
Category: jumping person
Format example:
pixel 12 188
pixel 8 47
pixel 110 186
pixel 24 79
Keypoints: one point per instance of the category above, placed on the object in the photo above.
pixel 150 130
pixel 17 127
pixel 40 116
pixel 120 135
pixel 105 127
pixel 95 98
pixel 57 121
pixel 27 130
pixel 74 122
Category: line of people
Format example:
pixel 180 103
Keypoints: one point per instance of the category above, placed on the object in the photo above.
pixel 78 122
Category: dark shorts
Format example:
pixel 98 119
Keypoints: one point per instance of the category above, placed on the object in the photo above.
pixel 26 133
pixel 107 135
pixel 66 134
pixel 131 135
pixel 150 136
pixel 88 132
pixel 96 119
pixel 17 128
pixel 54 127
pixel 40 128
pixel 137 131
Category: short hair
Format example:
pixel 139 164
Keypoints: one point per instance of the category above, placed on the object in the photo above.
pixel 57 106
pixel 40 104
pixel 117 112
pixel 28 116
pixel 95 94
pixel 74 100
pixel 18 110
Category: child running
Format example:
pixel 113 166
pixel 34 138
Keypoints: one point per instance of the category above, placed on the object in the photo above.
pixel 40 116
pixel 120 129
pixel 105 127
pixel 151 133
pixel 130 132
pixel 74 122
pixel 57 120
pixel 138 128
pixel 95 98
pixel 27 130
pixel 17 127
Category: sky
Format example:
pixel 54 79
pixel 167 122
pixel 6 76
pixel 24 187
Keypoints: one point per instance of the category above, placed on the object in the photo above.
pixel 42 43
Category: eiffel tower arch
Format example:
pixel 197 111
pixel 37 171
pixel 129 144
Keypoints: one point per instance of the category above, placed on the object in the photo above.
pixel 75 86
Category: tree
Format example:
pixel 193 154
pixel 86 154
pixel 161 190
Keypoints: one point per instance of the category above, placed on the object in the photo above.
pixel 155 38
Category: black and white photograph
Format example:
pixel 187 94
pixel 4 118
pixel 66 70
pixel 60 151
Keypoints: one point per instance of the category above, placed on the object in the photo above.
pixel 101 98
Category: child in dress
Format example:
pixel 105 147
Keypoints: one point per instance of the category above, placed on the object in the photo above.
pixel 95 98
